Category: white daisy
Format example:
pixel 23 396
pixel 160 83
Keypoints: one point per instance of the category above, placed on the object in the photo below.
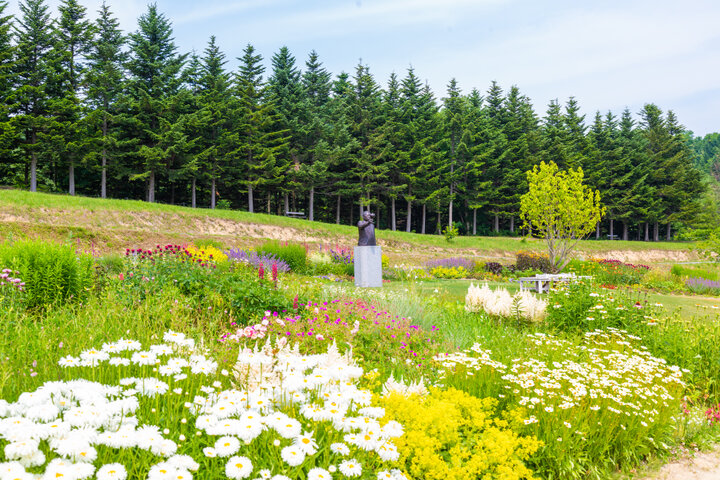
pixel 226 446
pixel 238 467
pixel 112 471
pixel 292 455
pixel 350 468
pixel 319 474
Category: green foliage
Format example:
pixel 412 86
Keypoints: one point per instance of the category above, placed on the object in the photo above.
pixel 560 209
pixel 233 288
pixel 449 272
pixel 450 232
pixel 53 274
pixel 533 261
pixel 579 306
pixel 294 255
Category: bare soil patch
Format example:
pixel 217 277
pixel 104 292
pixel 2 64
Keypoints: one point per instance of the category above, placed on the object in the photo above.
pixel 702 466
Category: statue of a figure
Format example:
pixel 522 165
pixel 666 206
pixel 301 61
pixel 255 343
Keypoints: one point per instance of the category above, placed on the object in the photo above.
pixel 366 230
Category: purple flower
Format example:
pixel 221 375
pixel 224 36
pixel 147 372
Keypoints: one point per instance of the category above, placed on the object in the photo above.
pixel 451 262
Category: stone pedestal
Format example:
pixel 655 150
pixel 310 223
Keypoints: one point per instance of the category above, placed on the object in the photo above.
pixel 368 267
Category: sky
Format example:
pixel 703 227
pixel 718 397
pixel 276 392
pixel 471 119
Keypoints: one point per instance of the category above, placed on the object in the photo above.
pixel 608 54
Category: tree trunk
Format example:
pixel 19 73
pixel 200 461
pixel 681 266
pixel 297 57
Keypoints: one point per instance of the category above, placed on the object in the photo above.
pixel 360 211
pixel 287 202
pixel 612 228
pixel 625 231
pixel 392 214
pixel 71 178
pixel 212 194
pixel 438 227
pixel 194 192
pixel 496 227
pixel 423 219
pixel 408 221
pixel 667 234
pixel 597 231
pixel 33 173
pixel 512 224
pixel 647 232
pixel 656 232
pixel 311 204
pixel 352 211
pixel 151 187
pixel 337 211
pixel 103 176
pixel 269 201
pixel 251 201
pixel 450 210
pixel 474 221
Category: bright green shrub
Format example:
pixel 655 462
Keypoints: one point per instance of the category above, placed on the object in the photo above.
pixel 52 273
pixel 449 272
pixel 451 435
pixel 294 255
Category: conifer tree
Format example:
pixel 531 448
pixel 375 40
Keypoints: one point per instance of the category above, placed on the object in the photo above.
pixel 482 143
pixel 153 88
pixel 7 61
pixel 73 41
pixel 30 102
pixel 217 110
pixel 285 91
pixel 632 204
pixel 104 83
pixel 260 138
pixel 314 129
pixel 365 103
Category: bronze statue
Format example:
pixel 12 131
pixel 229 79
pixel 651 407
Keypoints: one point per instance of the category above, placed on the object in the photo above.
pixel 366 230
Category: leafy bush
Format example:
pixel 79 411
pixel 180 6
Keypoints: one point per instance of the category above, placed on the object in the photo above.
pixel 533 261
pixel 450 232
pixel 294 255
pixel 494 267
pixel 453 435
pixel 615 272
pixel 52 273
pixel 449 272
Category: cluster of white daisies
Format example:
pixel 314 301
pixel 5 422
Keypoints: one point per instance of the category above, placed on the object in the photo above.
pixel 282 399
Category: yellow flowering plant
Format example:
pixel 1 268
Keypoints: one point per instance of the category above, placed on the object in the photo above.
pixel 451 435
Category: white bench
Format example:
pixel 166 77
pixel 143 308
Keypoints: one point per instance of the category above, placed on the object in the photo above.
pixel 295 214
pixel 543 282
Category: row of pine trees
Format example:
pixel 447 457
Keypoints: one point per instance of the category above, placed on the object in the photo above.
pixel 86 109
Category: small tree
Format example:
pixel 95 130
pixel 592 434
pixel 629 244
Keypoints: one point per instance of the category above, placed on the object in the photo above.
pixel 560 209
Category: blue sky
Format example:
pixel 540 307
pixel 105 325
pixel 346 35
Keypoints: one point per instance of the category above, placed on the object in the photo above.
pixel 607 54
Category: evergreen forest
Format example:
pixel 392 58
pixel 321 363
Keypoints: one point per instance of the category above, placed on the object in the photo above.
pixel 88 109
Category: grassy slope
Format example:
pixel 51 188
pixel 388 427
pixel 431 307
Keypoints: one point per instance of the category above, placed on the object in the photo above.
pixel 40 214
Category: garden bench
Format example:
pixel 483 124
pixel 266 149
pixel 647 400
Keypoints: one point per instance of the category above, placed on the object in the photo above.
pixel 612 237
pixel 542 283
pixel 295 214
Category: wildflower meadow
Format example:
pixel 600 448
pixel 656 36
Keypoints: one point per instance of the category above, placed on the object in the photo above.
pixel 209 361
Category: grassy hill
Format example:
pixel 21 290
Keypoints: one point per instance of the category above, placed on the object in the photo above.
pixel 112 225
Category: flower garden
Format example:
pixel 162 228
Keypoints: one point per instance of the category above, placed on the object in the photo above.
pixel 204 361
